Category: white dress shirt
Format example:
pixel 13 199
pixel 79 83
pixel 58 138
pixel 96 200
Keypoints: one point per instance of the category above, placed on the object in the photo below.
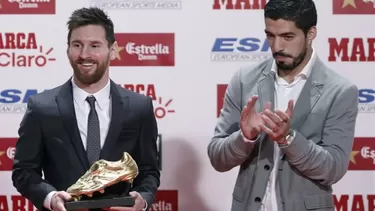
pixel 82 110
pixel 283 93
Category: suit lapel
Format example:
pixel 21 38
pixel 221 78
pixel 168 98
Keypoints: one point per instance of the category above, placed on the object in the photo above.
pixel 266 88
pixel 65 105
pixel 266 92
pixel 309 95
pixel 119 105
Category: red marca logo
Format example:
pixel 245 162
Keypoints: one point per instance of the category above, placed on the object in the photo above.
pixel 15 202
pixel 23 50
pixel 220 92
pixel 27 7
pixel 361 202
pixel 352 50
pixel 162 106
pixel 353 7
pixel 140 49
pixel 166 200
pixel 7 149
pixel 239 4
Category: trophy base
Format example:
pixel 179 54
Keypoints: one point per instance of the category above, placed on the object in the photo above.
pixel 124 201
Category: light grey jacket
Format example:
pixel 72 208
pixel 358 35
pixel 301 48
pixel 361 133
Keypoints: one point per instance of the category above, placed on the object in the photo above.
pixel 324 118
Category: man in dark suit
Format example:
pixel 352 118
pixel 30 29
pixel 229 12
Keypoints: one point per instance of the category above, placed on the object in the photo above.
pixel 88 118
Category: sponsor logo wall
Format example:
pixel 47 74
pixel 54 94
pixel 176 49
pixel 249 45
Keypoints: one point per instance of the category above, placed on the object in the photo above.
pixel 183 54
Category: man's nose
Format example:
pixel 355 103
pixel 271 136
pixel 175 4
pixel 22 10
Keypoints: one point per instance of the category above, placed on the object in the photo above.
pixel 277 45
pixel 84 53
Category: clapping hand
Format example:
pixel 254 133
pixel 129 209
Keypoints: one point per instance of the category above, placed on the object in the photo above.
pixel 251 120
pixel 277 124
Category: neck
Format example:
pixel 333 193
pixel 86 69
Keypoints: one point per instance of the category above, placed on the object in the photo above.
pixel 95 87
pixel 290 75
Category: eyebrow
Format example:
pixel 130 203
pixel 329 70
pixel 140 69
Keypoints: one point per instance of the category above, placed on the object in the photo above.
pixel 283 34
pixel 91 42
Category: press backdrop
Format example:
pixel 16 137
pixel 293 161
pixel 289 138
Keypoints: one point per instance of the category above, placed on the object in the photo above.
pixel 182 53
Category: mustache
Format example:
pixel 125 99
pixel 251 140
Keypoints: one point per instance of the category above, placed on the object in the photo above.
pixel 282 54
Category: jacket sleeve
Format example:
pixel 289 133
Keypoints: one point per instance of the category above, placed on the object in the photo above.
pixel 148 180
pixel 328 161
pixel 27 170
pixel 227 149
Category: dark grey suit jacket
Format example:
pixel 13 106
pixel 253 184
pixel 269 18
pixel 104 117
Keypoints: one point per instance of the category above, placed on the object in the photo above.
pixel 324 118
pixel 49 142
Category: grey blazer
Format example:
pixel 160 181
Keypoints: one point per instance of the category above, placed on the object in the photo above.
pixel 324 118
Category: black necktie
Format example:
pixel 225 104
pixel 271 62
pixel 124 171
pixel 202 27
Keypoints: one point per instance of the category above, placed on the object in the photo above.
pixel 93 133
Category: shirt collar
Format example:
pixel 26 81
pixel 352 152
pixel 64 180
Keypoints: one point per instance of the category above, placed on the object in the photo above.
pixel 102 96
pixel 305 71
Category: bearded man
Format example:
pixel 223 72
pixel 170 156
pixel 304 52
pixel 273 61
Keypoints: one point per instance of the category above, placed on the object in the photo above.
pixel 288 122
pixel 66 129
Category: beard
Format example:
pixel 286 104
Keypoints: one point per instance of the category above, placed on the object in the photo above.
pixel 282 66
pixel 94 77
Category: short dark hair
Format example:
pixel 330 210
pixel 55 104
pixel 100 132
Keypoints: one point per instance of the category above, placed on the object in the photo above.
pixel 91 16
pixel 301 12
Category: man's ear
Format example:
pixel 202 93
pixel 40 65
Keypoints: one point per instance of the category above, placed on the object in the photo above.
pixel 113 50
pixel 311 34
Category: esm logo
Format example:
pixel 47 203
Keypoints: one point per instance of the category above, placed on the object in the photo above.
pixel 366 100
pixel 240 49
pixel 14 100
pixel 239 4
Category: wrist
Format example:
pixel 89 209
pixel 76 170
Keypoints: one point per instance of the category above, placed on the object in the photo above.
pixel 289 137
pixel 254 137
pixel 48 200
pixel 243 137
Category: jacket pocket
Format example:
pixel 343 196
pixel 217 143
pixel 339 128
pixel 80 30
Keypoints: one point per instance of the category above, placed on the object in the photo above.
pixel 319 201
pixel 238 193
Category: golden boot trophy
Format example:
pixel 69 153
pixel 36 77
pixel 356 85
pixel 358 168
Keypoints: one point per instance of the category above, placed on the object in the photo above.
pixel 103 174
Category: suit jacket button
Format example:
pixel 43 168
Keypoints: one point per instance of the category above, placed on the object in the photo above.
pixel 267 167
pixel 257 199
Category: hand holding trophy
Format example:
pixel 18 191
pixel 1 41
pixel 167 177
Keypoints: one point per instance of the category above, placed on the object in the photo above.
pixel 101 175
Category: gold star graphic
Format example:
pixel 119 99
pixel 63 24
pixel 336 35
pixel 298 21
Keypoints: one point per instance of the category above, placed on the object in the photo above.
pixel 349 2
pixel 352 156
pixel 117 52
pixel 1 154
